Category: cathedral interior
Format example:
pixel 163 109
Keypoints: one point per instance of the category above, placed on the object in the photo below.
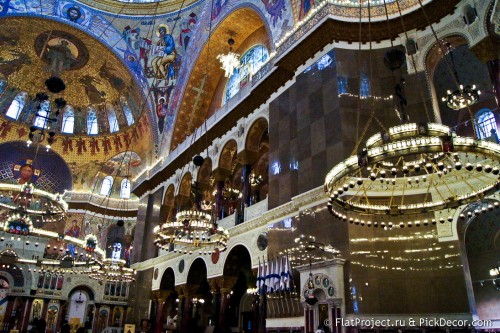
pixel 258 166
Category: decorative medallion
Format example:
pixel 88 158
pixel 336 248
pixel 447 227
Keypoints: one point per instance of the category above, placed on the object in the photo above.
pixel 61 51
pixel 155 274
pixel 306 293
pixel 326 282
pixel 181 266
pixel 215 256
pixel 262 241
pixel 331 291
pixel 317 280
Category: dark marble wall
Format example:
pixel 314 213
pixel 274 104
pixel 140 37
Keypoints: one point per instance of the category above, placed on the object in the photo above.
pixel 148 216
pixel 313 127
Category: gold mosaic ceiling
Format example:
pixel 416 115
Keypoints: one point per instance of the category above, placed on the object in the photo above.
pixel 139 7
pixel 95 76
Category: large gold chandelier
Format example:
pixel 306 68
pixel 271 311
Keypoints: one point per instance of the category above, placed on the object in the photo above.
pixel 192 229
pixel 412 169
pixel 112 270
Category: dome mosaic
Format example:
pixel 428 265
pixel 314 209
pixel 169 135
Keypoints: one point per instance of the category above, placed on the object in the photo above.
pixel 99 90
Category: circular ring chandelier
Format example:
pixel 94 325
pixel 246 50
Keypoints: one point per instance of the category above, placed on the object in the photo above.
pixel 412 169
pixel 112 270
pixel 192 228
pixel 29 204
pixel 461 98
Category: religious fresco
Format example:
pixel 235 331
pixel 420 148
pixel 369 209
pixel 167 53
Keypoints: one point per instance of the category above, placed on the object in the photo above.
pixel 127 164
pixel 51 173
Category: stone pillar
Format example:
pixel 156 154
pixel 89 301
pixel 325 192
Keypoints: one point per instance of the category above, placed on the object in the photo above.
pixel 226 285
pixel 26 316
pixel 494 71
pixel 180 307
pixel 246 190
pixel 8 313
pixel 214 289
pixel 220 176
pixel 62 313
pixel 309 317
pixel 45 308
pixel 161 300
pixel 187 307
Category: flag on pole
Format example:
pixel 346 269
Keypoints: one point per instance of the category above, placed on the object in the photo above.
pixel 259 276
pixel 282 273
pixel 288 273
pixel 276 275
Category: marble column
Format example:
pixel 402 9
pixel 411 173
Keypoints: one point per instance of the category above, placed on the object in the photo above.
pixel 61 314
pixel 26 315
pixel 246 190
pixel 8 313
pixel 226 284
pixel 180 307
pixel 215 291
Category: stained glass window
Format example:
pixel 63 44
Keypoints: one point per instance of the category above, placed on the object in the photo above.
pixel 92 128
pixel 485 123
pixel 107 184
pixel 251 61
pixel 342 86
pixel 364 86
pixel 126 111
pixel 17 105
pixel 68 120
pixel 125 189
pixel 112 120
pixel 42 115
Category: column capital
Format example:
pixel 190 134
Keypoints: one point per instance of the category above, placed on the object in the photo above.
pixel 247 156
pixel 214 286
pixel 226 283
pixel 220 174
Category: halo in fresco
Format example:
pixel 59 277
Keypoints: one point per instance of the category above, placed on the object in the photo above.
pixel 54 38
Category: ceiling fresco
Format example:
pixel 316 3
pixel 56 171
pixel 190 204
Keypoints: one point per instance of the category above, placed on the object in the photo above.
pixel 158 43
pixel 33 49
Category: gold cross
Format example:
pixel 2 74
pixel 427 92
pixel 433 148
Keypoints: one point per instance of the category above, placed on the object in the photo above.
pixel 200 91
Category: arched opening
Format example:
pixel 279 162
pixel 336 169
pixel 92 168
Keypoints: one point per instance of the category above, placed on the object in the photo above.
pixel 17 105
pixel 112 119
pixel 206 84
pixel 168 300
pixel 257 144
pixel 68 120
pixel 106 186
pixel 250 62
pixel 238 270
pixel 183 199
pixel 92 127
pixel 125 188
pixel 205 186
pixel 228 192
pixel 197 307
pixel 480 250
pixel 486 125
pixel 470 71
pixel 81 308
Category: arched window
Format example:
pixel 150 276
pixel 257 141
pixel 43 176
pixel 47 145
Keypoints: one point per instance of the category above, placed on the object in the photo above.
pixel 251 61
pixel 68 120
pixel 342 85
pixel 126 111
pixel 42 114
pixel 125 189
pixel 17 105
pixel 364 86
pixel 3 86
pixel 485 123
pixel 107 184
pixel 92 128
pixel 112 120
pixel 117 251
